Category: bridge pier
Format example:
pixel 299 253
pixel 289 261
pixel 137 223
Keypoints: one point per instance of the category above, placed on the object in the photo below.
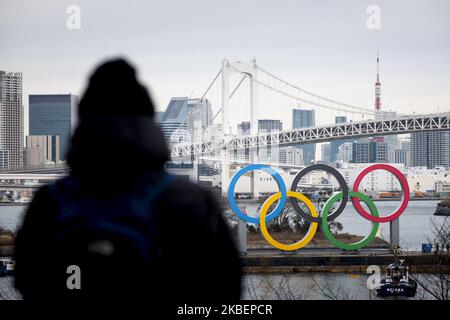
pixel 242 236
pixel 394 233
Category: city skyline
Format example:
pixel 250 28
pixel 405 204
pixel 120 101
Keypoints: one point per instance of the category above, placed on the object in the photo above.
pixel 338 62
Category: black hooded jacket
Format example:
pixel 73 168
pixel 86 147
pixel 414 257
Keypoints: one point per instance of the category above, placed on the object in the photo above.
pixel 108 154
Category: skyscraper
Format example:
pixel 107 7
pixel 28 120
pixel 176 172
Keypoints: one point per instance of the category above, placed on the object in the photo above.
pixel 185 119
pixel 53 115
pixel 269 153
pixel 304 119
pixel 199 118
pixel 41 149
pixel 11 118
pixel 173 123
pixel 430 149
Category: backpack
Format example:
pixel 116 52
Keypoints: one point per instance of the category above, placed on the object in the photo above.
pixel 106 236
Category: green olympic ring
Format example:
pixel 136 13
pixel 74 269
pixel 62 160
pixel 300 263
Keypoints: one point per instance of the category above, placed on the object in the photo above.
pixel 329 235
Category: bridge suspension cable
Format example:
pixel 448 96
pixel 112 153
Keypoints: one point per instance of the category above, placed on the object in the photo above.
pixel 203 96
pixel 206 92
pixel 230 96
pixel 341 109
pixel 358 110
pixel 212 83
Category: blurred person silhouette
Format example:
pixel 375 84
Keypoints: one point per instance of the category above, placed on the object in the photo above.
pixel 133 230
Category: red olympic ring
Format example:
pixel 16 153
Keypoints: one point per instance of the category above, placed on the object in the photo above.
pixel 405 191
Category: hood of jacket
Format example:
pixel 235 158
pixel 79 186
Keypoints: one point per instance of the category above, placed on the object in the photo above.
pixel 116 148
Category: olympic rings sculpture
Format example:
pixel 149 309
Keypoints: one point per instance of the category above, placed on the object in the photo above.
pixel 313 217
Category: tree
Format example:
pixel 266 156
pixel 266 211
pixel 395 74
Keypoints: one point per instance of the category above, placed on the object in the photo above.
pixel 437 283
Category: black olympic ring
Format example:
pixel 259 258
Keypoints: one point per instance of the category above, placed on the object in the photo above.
pixel 341 182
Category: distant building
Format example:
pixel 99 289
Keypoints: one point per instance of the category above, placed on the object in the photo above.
pixel 430 149
pixel 4 154
pixel 422 179
pixel 443 188
pixel 403 154
pixel 269 153
pixel 369 152
pixel 53 115
pixel 375 181
pixel 11 118
pixel 325 149
pixel 243 128
pixel 361 152
pixel 199 118
pixel 173 123
pixel 291 155
pixel 269 125
pixel 304 119
pixel 345 152
pixel 41 150
pixel 391 141
pixel 335 144
pixel 214 133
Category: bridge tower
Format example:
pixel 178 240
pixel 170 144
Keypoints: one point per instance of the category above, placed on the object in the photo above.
pixel 250 70
pixel 378 88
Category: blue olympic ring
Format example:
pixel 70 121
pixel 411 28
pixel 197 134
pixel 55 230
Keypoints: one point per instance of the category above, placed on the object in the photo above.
pixel 279 208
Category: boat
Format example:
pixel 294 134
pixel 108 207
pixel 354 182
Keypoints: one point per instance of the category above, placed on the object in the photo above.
pixel 397 282
pixel 7 266
pixel 443 208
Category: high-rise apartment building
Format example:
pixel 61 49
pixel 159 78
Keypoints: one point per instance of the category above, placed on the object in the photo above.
pixel 303 119
pixel 430 149
pixel 11 118
pixel 53 115
pixel 41 150
pixel 369 152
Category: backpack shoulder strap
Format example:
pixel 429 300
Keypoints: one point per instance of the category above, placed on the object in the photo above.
pixel 62 189
pixel 163 183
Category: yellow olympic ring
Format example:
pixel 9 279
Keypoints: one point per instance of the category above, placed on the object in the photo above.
pixel 312 227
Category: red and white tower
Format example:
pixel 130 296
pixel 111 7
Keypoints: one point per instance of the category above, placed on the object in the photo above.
pixel 378 88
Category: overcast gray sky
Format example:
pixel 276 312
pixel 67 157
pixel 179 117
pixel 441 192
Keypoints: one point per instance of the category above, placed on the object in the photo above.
pixel 324 46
